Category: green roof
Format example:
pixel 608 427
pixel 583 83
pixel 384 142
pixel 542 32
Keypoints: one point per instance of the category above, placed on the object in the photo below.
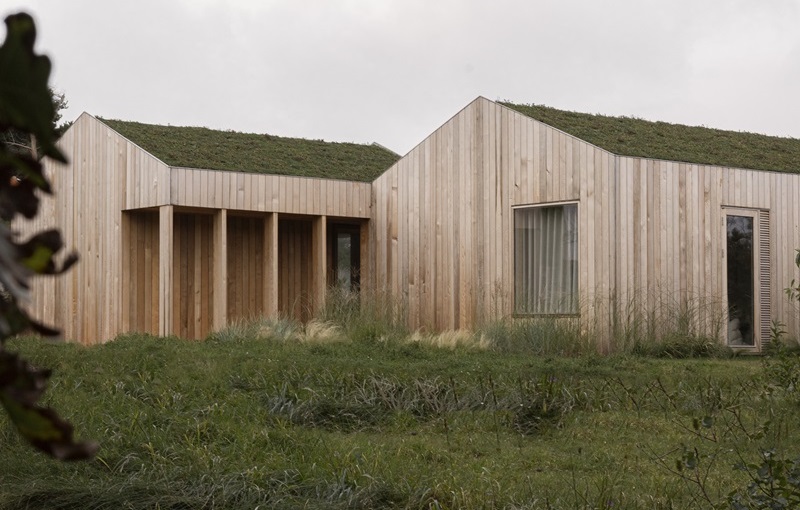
pixel 198 147
pixel 627 136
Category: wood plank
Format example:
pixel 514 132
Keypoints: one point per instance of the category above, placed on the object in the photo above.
pixel 220 269
pixel 318 262
pixel 164 298
pixel 271 265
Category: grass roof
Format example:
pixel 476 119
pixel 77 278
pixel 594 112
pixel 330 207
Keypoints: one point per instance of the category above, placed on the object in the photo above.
pixel 628 136
pixel 198 147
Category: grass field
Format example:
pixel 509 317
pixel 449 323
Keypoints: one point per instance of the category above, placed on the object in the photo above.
pixel 238 422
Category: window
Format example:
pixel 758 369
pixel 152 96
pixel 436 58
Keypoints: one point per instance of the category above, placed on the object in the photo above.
pixel 741 280
pixel 344 261
pixel 546 260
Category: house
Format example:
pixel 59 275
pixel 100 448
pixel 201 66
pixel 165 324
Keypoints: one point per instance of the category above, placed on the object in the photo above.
pixel 504 211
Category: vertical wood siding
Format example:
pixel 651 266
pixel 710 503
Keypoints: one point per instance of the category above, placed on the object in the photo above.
pixel 651 235
pixel 443 218
pixel 107 175
pixel 90 193
pixel 277 193
pixel 140 273
pixel 295 269
pixel 245 267
pixel 193 306
pixel 440 230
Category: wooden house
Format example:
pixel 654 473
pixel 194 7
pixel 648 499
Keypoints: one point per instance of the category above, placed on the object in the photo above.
pixel 505 211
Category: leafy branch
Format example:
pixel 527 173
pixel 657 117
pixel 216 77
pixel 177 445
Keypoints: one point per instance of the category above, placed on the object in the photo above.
pixel 27 108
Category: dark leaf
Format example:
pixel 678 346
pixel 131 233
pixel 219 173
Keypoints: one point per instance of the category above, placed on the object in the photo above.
pixel 25 98
pixel 28 114
pixel 21 386
pixel 37 253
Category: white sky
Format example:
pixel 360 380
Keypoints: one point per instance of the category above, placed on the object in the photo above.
pixel 392 71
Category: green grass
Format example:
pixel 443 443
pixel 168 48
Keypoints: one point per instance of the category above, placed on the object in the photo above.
pixel 198 147
pixel 628 136
pixel 243 422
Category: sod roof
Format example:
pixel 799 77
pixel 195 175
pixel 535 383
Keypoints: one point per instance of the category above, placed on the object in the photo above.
pixel 198 147
pixel 628 136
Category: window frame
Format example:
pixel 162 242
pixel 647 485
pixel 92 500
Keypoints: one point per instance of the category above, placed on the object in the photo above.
pixel 542 205
pixel 761 289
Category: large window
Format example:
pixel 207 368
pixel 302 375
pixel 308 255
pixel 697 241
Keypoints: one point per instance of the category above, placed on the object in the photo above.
pixel 546 260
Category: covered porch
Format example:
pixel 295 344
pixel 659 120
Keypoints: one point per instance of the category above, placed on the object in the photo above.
pixel 188 271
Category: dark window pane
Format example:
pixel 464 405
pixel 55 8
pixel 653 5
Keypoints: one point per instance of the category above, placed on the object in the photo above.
pixel 741 297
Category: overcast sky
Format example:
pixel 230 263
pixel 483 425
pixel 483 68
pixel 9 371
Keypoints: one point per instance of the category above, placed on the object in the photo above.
pixel 391 71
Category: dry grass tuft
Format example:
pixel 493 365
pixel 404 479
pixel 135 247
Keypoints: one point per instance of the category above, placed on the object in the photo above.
pixel 319 331
pixel 452 339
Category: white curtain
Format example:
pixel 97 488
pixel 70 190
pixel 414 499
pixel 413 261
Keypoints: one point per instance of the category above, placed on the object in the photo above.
pixel 546 259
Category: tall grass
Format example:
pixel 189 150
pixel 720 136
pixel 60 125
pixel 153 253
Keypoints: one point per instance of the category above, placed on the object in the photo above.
pixel 281 422
pixel 656 324
pixel 661 323
pixel 280 329
pixel 546 336
pixel 365 316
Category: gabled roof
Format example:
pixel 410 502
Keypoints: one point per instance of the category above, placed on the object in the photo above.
pixel 628 136
pixel 197 147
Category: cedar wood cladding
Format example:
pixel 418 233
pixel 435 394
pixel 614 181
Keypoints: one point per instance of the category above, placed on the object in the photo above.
pixel 649 230
pixel 440 230
pixel 121 209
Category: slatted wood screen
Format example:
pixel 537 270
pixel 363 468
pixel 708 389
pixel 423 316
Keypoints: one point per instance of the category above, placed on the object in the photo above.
pixel 764 277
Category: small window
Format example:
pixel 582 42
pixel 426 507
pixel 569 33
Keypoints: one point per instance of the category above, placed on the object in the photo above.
pixel 546 260
pixel 345 262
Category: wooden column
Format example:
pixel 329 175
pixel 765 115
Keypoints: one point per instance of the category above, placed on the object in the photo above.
pixel 364 255
pixel 220 268
pixel 165 234
pixel 319 264
pixel 270 305
pixel 126 289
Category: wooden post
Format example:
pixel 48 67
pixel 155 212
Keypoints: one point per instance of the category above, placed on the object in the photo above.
pixel 220 267
pixel 270 306
pixel 126 289
pixel 318 263
pixel 364 256
pixel 165 234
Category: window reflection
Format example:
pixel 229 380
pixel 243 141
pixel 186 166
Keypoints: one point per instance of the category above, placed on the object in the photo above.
pixel 741 299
